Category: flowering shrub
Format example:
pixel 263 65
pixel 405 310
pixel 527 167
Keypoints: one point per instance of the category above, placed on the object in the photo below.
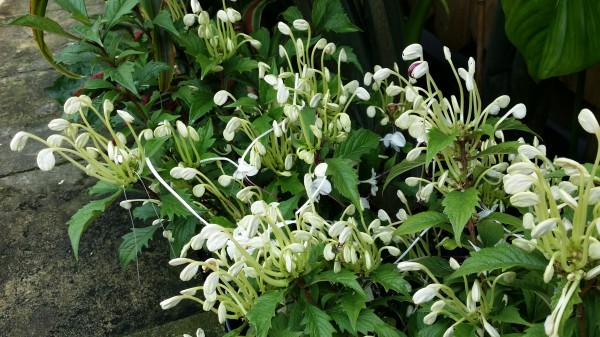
pixel 288 175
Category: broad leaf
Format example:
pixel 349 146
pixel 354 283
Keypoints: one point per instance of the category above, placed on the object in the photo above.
pixel 115 9
pixel 502 148
pixel 123 75
pixel 352 304
pixel 344 178
pixel 84 217
pixel 317 322
pixel 437 141
pixel 499 257
pixel 506 219
pixel 510 314
pixel 420 221
pixel 403 167
pixel 556 38
pixel 388 276
pixel 358 143
pixel 41 23
pixel 171 206
pixel 134 242
pixel 263 310
pixel 460 207
pixel 76 8
pixel 344 277
pixel 329 15
pixel 102 187
pixel 163 19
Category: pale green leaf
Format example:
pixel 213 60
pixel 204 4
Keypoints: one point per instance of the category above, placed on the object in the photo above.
pixel 418 222
pixel 510 314
pixel 171 206
pixel 460 207
pixel 437 141
pixel 344 178
pixel 502 148
pixel 344 277
pixel 84 217
pixel 76 8
pixel 134 242
pixel 358 143
pixel 262 312
pixel 103 187
pixel 42 23
pixel 501 256
pixel 316 322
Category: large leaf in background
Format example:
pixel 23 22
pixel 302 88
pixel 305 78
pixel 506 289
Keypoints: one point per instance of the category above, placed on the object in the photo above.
pixel 555 37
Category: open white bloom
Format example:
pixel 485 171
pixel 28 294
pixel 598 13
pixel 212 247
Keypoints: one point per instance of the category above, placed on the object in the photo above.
pixel 244 170
pixel 396 140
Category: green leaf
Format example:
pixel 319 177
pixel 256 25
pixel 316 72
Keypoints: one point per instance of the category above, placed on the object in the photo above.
pixel 76 8
pixel 352 304
pixel 134 242
pixel 98 83
pixel 171 206
pixel 438 141
pixel 240 64
pixel 84 217
pixel 511 124
pixel 102 187
pixel 287 207
pixel 146 211
pixel 150 71
pixel 388 276
pixel 460 207
pixel 506 219
pixel 502 148
pixel 164 20
pixel 501 256
pixel 344 178
pixel 329 15
pixel 368 320
pixel 115 9
pixel 154 145
pixel 358 143
pixel 184 229
pixel 123 75
pixel 263 310
pixel 490 232
pixel 344 277
pixel 317 322
pixel 420 221
pixel 41 23
pixel 403 167
pixel 557 38
pixel 510 314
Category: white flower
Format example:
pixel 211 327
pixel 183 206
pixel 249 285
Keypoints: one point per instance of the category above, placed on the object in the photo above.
pixel 468 75
pixel 430 318
pixel 58 124
pixel 301 25
pixel 426 294
pixel 127 117
pixel 476 291
pixel 525 245
pixel 594 250
pixel 221 97
pixel 382 74
pixel 447 56
pixel 189 20
pixel 189 271
pixel 412 52
pixel 454 264
pixel 320 186
pixel 170 302
pixel 232 15
pixel 371 111
pixel 222 313
pixel 244 170
pixel 362 94
pixel 490 329
pixel 284 29
pixel 19 141
pixel 396 140
pixel 229 131
pixel 515 183
pixel 46 160
pixel 588 121
pixel 417 69
pixel 410 266
pixel 73 104
pixel 544 227
pixel 320 170
pixel 196 6
pixel 393 90
pixel 524 199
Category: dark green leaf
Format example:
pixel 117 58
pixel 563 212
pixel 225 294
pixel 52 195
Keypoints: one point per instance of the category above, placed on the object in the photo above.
pixel 317 322
pixel 510 314
pixel 150 71
pixel 490 232
pixel 134 242
pixel 438 141
pixel 418 222
pixel 183 230
pixel 502 148
pixel 287 207
pixel 76 8
pixel 123 75
pixel 154 145
pixel 329 15
pixel 557 38
pixel 506 219
pixel 388 276
pixel 344 277
pixel 171 206
pixel 115 9
pixel 164 20
pixel 98 83
pixel 102 187
pixel 499 257
pixel 358 143
pixel 240 64
pixel 84 217
pixel 146 211
pixel 511 124
pixel 460 207
pixel 263 310
pixel 344 178
pixel 403 167
pixel 352 304
pixel 41 23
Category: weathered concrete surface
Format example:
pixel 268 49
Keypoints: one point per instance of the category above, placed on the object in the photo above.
pixel 44 291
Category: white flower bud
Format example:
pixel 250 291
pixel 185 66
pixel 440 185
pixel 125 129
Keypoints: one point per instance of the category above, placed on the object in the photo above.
pixel 412 52
pixel 454 264
pixel 46 160
pixel 588 121
pixel 410 266
pixel 426 294
pixel 418 69
pixel 199 190
pixel 221 97
pixel 382 74
pixel 524 199
pixel 284 28
pixel 170 302
pixel 301 25
pixel 224 180
pixel 19 141
pixel 525 245
pixel 189 20
pixel 58 124
pixel 544 228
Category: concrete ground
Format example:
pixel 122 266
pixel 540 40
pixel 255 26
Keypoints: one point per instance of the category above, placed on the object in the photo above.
pixel 44 291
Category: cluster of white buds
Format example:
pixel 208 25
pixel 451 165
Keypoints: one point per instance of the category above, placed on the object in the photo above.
pixel 552 190
pixel 222 41
pixel 107 158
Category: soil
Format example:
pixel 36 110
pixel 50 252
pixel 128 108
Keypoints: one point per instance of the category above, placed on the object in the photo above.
pixel 44 290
